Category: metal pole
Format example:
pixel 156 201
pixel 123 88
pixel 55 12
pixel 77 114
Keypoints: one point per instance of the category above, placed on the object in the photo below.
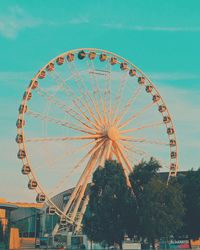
pixel 35 225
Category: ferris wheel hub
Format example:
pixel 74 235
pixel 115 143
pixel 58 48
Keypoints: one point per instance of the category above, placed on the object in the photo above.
pixel 113 133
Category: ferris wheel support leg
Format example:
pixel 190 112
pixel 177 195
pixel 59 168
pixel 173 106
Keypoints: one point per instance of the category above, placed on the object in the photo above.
pixel 109 150
pixel 76 191
pixel 84 174
pixel 117 153
pixel 84 206
pixel 91 165
pixel 103 155
pixel 119 147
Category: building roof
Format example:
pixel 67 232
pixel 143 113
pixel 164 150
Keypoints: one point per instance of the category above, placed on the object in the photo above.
pixel 7 204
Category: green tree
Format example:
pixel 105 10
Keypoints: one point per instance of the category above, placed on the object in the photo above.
pixel 160 206
pixel 160 210
pixel 143 173
pixel 107 218
pixel 191 188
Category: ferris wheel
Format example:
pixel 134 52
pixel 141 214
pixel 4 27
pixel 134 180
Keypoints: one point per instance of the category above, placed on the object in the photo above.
pixel 82 108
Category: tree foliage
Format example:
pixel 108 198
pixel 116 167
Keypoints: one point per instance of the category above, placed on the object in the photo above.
pixel 155 209
pixel 160 206
pixel 160 210
pixel 191 188
pixel 143 173
pixel 108 213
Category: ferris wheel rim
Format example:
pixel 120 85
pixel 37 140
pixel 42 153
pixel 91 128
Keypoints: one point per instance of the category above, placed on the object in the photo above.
pixel 24 102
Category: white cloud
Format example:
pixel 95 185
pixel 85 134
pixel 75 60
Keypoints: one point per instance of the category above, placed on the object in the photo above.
pixel 79 20
pixel 151 28
pixel 10 76
pixel 184 106
pixel 174 76
pixel 15 20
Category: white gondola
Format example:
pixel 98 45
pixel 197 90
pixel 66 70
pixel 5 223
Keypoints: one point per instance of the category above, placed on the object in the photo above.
pixel 166 119
pixel 63 220
pixel 19 123
pixel 42 74
pixel 33 84
pixel 21 154
pixel 81 54
pixel 113 60
pixel 141 79
pixel 132 72
pixel 19 138
pixel 124 66
pixel 51 210
pixel 149 88
pixel 22 108
pixel 92 55
pixel 60 60
pixel 50 67
pixel 103 57
pixel 172 143
pixel 173 167
pixel 173 155
pixel 162 108
pixel 156 98
pixel 70 57
pixel 26 169
pixel 40 198
pixel 170 131
pixel 27 95
pixel 32 184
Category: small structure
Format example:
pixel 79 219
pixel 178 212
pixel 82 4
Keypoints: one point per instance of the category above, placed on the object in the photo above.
pixel 19 220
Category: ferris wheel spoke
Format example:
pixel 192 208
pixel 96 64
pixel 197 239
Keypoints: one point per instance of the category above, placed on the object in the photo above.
pixel 76 100
pixel 142 127
pixel 92 164
pixel 127 106
pixel 118 97
pixel 143 140
pixel 125 159
pixel 86 117
pixel 63 123
pixel 98 122
pixel 95 91
pixel 95 73
pixel 84 175
pixel 133 158
pixel 47 139
pixel 119 157
pixel 107 106
pixel 107 96
pixel 137 150
pixel 81 84
pixel 143 110
pixel 78 103
pixel 52 164
pixel 103 152
pixel 62 84
pixel 77 166
pixel 109 147
pixel 67 109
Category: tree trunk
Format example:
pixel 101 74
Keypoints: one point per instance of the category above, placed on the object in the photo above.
pixel 120 245
pixel 153 243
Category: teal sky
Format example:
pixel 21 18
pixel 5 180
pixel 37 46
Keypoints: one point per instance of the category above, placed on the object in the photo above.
pixel 160 37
